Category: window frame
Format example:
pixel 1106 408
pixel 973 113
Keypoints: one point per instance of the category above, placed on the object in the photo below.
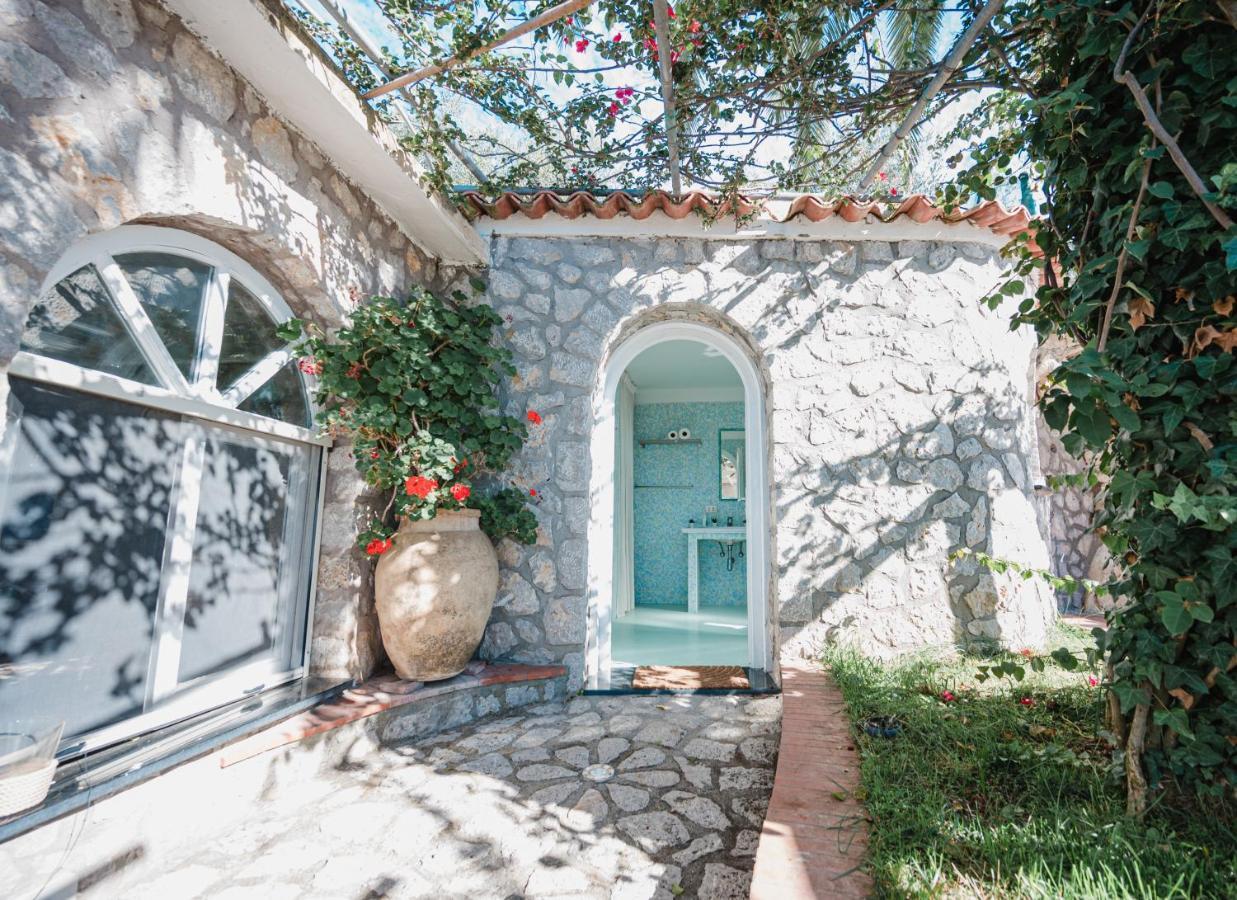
pixel 196 398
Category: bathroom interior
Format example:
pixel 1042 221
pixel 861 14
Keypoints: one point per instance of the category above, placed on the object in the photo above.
pixel 680 511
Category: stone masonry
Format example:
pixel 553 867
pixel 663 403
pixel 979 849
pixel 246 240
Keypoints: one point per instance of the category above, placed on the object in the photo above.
pixel 897 404
pixel 112 112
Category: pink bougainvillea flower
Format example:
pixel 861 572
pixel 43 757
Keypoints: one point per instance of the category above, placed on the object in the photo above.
pixel 460 492
pixel 613 110
pixel 948 696
pixel 534 417
pixel 377 548
pixel 1092 680
pixel 650 44
pixel 419 486
pixel 310 366
pixel 1027 701
pixel 618 36
pixel 581 45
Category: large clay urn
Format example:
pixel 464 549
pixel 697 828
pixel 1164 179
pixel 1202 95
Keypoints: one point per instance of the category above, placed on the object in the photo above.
pixel 434 590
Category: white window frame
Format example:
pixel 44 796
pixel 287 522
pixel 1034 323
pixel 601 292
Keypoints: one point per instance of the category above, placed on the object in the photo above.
pixel 195 397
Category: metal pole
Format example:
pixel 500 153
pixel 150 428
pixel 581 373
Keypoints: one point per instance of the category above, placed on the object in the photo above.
pixel 948 66
pixel 550 15
pixel 661 25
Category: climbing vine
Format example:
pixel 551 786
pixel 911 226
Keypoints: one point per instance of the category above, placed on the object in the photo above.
pixel 1128 112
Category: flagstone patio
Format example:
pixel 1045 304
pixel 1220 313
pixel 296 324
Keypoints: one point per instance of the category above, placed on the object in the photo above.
pixel 508 808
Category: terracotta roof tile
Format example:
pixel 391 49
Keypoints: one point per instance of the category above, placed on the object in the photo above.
pixel 917 207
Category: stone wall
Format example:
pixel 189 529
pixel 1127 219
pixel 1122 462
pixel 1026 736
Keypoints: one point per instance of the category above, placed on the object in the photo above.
pixel 111 112
pixel 898 408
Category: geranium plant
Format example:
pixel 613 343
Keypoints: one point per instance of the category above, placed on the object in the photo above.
pixel 413 383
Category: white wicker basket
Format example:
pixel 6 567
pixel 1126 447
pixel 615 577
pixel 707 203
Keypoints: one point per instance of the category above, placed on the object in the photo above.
pixel 25 785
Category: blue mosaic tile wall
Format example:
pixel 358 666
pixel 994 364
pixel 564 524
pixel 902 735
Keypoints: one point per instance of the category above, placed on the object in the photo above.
pixel 674 484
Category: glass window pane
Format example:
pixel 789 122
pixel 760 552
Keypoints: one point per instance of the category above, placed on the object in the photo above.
pixel 242 555
pixel 248 335
pixel 84 493
pixel 170 289
pixel 283 398
pixel 76 322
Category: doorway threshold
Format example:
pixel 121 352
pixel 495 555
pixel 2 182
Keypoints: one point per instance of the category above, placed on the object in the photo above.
pixel 621 685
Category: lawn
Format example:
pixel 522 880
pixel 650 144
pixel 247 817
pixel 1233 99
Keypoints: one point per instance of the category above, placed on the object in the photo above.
pixel 1009 790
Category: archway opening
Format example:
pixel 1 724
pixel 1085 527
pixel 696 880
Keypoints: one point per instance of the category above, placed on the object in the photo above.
pixel 678 557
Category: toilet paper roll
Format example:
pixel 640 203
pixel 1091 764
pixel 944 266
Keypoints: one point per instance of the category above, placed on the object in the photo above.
pixel 684 434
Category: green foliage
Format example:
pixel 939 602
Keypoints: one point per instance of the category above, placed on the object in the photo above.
pixel 984 796
pixel 412 382
pixel 1149 399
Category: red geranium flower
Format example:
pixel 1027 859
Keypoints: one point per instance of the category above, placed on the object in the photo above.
pixel 460 492
pixel 893 192
pixel 419 486
pixel 532 492
pixel 377 548
pixel 1092 680
pixel 948 696
pixel 694 27
pixel 1027 652
pixel 617 37
pixel 310 366
pixel 354 370
pixel 882 176
pixel 1027 701
pixel 612 112
pixel 461 465
pixel 373 454
pixel 670 10
pixel 534 417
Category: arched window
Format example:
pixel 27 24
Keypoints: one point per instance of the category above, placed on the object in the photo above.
pixel 159 484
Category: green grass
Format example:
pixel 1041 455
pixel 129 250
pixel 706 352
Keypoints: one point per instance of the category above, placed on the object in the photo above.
pixel 984 797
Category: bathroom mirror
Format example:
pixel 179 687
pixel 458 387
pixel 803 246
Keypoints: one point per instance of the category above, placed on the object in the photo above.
pixel 732 464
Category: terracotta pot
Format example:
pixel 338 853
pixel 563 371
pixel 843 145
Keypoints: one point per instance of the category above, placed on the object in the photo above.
pixel 434 590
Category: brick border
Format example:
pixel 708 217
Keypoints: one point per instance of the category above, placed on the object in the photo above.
pixel 815 834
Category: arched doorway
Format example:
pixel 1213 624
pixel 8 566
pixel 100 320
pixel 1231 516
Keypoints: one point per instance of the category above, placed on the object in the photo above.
pixel 606 545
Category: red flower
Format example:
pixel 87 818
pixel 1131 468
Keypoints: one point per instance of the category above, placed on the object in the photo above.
pixel 377 548
pixel 617 37
pixel 670 10
pixel 1092 680
pixel 419 486
pixel 460 492
pixel 1027 652
pixel 534 417
pixel 1027 701
pixel 373 454
pixel 575 170
pixel 460 466
pixel 613 111
pixel 570 19
pixel 354 371
pixel 532 492
pixel 310 366
pixel 674 56
pixel 948 696
pixel 581 45
pixel 893 192
pixel 694 27
pixel 882 176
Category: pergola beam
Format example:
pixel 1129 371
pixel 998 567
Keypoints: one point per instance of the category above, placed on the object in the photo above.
pixel 340 15
pixel 661 26
pixel 948 66
pixel 553 14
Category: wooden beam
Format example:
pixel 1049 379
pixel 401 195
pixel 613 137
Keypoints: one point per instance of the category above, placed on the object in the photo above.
pixel 553 14
pixel 340 15
pixel 948 66
pixel 661 26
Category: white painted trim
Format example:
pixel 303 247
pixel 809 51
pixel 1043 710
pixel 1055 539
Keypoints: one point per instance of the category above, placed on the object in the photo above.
pixel 601 493
pixel 259 374
pixel 133 316
pixel 261 42
pixel 659 224
pixel 55 371
pixel 646 396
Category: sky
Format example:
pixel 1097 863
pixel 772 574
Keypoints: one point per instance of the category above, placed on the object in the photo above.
pixel 366 15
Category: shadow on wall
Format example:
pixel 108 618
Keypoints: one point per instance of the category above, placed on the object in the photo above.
pixel 899 421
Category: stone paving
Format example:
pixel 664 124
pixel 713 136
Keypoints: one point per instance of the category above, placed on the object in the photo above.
pixel 505 808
